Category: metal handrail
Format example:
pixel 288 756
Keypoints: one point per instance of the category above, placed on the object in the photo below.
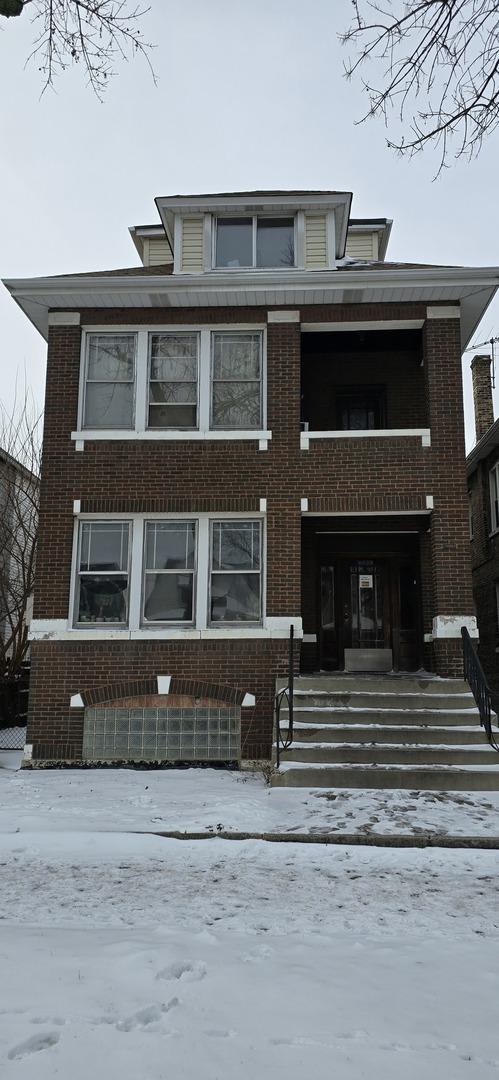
pixel 487 700
pixel 287 693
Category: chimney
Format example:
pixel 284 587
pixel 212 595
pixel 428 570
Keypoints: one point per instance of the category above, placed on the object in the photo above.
pixel 482 395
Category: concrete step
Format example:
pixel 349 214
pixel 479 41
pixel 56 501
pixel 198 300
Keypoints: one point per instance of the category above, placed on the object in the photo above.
pixel 423 717
pixel 393 755
pixel 404 684
pixel 440 778
pixel 382 733
pixel 371 700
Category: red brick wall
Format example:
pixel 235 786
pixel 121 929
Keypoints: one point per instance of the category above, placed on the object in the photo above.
pixel 339 475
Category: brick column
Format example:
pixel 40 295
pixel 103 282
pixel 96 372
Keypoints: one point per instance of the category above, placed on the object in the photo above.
pixel 450 546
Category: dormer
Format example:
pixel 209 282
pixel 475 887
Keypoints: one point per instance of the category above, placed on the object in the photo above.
pixel 273 232
pixel 269 232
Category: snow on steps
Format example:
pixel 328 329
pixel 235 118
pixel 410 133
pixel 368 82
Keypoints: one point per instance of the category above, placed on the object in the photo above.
pixel 386 731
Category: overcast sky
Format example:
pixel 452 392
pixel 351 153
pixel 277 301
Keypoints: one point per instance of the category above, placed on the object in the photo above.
pixel 249 96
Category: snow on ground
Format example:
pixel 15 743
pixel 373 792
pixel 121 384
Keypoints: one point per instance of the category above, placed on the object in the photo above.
pixel 154 959
pixel 131 955
pixel 204 799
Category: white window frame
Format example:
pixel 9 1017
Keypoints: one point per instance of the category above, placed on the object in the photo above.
pixel 136 625
pixel 203 431
pixel 119 519
pixel 83 381
pixel 254 220
pixel 261 381
pixel 217 623
pixel 494 482
pixel 169 622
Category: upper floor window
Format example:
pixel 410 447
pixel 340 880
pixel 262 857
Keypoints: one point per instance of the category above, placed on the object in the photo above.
pixel 109 381
pixel 494 497
pixel 174 380
pixel 249 242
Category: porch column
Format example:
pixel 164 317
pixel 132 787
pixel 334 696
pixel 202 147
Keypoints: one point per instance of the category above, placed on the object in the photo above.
pixel 452 604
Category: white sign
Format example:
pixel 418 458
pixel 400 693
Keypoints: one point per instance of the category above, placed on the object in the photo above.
pixel 365 581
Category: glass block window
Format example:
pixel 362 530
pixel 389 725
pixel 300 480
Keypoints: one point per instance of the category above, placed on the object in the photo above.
pixel 235 575
pixel 169 571
pixel 173 380
pixel 109 381
pixel 102 574
pixel 236 380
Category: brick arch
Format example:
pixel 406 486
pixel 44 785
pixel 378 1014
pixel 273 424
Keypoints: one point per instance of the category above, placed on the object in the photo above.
pixel 100 695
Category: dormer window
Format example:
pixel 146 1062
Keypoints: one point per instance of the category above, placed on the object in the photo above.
pixel 254 242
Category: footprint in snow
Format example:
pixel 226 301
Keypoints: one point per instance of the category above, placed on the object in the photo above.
pixel 31 1046
pixel 149 1015
pixel 184 970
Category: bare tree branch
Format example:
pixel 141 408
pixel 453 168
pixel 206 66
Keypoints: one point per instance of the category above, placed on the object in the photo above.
pixel 442 52
pixel 93 33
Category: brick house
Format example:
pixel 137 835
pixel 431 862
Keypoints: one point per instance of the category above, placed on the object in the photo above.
pixel 483 492
pixel 261 425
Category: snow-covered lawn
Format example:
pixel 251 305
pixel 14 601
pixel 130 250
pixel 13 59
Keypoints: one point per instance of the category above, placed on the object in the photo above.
pixel 144 958
pixel 204 799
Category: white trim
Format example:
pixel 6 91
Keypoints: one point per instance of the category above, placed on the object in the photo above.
pixel 303 505
pixel 164 684
pixel 250 633
pixel 300 240
pixel 444 311
pixel 207 242
pixel 263 506
pixel 428 638
pixel 429 502
pixel 309 638
pixel 76 702
pixel 449 626
pixel 364 513
pixel 64 318
pixel 170 434
pixel 177 244
pixel 278 624
pixel 28 751
pixel 284 316
pixel 331 240
pixel 376 433
pixel 79 445
pixel 248 701
pixel 372 324
pixel 76 506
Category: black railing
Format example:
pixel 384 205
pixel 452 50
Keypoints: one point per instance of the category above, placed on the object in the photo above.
pixel 282 742
pixel 487 701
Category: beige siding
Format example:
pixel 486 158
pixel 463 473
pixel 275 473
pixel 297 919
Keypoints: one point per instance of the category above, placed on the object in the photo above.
pixel 315 241
pixel 362 245
pixel 157 252
pixel 192 244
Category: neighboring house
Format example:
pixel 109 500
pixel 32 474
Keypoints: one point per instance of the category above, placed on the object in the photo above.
pixel 18 525
pixel 483 492
pixel 261 426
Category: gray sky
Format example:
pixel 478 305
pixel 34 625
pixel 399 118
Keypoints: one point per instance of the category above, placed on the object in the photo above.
pixel 249 96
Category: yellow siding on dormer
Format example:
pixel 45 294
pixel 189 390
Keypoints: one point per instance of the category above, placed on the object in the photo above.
pixel 192 244
pixel 362 245
pixel 315 241
pixel 157 252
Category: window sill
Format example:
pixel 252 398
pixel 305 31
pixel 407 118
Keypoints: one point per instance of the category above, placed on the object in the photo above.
pixel 155 435
pixel 59 630
pixel 377 433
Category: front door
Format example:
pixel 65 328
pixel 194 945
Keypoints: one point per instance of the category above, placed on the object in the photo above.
pixel 368 603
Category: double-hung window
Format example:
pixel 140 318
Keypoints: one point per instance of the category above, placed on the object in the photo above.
pixel 236 385
pixel 235 586
pixel 256 241
pixel 102 573
pixel 494 497
pixel 173 380
pixel 169 571
pixel 109 381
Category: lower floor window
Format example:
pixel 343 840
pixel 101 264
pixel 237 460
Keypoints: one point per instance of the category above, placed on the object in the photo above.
pixel 200 572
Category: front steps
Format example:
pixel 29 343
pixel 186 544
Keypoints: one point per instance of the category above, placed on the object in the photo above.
pixel 386 731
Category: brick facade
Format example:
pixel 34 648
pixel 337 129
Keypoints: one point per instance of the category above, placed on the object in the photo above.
pixel 485 564
pixel 382 475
